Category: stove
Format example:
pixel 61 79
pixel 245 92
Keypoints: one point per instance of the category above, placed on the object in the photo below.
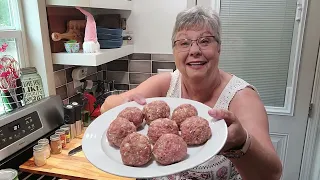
pixel 21 129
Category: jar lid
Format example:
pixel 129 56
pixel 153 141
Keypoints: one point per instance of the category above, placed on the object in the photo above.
pixel 54 137
pixel 8 174
pixel 43 141
pixel 60 131
pixel 75 104
pixel 28 70
pixel 38 147
pixel 65 128
pixel 69 106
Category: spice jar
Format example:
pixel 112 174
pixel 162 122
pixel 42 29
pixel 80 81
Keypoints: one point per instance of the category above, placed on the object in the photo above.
pixel 39 155
pixel 62 135
pixel 56 146
pixel 32 85
pixel 66 129
pixel 45 144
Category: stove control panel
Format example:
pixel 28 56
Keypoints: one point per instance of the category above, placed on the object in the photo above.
pixel 19 128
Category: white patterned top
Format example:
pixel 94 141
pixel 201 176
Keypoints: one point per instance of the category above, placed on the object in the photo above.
pixel 219 167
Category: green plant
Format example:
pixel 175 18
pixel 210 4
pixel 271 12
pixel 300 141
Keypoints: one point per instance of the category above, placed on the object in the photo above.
pixel 71 41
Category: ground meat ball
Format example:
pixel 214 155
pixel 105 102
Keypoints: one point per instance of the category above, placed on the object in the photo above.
pixel 161 126
pixel 169 149
pixel 183 112
pixel 135 150
pixel 195 130
pixel 118 130
pixel 133 114
pixel 155 110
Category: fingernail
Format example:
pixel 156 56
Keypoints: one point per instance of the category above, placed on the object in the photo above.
pixel 143 101
pixel 213 112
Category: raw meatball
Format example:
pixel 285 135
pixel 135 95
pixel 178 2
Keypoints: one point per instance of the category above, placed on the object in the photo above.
pixel 162 126
pixel 135 150
pixel 133 114
pixel 195 130
pixel 169 149
pixel 183 112
pixel 155 110
pixel 118 130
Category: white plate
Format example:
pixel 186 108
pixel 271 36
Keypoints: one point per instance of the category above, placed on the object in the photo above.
pixel 107 158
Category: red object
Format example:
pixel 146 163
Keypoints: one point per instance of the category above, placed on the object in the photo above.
pixel 94 112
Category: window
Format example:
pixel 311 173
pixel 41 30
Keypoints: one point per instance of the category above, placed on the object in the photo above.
pixel 261 43
pixel 11 34
pixel 11 27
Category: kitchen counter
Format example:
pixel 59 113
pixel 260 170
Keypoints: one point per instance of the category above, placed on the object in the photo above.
pixel 69 167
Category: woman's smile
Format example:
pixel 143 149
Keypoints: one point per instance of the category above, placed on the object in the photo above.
pixel 196 64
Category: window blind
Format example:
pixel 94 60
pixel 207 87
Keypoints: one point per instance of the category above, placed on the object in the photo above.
pixel 256 44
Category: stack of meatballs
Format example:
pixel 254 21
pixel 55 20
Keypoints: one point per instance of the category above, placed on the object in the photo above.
pixel 167 138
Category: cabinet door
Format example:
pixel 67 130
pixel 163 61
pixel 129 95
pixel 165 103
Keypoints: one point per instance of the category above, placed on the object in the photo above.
pixel 112 4
pixel 152 23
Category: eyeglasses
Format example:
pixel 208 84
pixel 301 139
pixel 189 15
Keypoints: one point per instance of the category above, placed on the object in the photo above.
pixel 204 42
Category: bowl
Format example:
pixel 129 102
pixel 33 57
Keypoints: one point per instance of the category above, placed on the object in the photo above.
pixel 72 47
pixel 104 36
pixel 116 32
pixel 110 44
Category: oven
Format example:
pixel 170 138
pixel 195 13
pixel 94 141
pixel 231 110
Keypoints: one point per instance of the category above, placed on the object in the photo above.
pixel 21 129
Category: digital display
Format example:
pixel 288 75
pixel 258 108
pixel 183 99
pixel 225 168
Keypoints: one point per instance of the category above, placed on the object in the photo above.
pixel 14 127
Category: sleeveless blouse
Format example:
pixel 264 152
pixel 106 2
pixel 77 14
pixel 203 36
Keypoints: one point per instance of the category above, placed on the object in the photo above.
pixel 219 167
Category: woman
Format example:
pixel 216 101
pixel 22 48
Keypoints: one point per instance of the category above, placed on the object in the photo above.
pixel 248 152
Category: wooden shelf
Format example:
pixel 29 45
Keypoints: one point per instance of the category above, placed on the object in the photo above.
pixel 104 4
pixel 92 59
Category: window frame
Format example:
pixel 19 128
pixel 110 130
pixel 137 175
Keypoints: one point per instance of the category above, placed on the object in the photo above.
pixel 17 31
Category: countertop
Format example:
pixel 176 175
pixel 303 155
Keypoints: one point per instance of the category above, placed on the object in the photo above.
pixel 69 167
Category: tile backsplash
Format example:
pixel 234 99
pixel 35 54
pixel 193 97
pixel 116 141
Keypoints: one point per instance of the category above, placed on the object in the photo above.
pixel 128 72
pixel 64 82
pixel 131 70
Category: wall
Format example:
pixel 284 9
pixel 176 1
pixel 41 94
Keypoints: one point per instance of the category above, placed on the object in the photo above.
pixel 128 72
pixel 152 26
pixel 64 83
pixel 136 68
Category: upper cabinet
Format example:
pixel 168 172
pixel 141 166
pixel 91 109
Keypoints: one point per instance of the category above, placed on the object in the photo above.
pixel 149 22
pixel 105 4
pixel 152 22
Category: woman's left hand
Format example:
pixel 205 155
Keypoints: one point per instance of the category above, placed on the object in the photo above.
pixel 236 133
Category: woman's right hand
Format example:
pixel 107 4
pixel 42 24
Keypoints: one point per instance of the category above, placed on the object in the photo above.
pixel 116 100
pixel 137 98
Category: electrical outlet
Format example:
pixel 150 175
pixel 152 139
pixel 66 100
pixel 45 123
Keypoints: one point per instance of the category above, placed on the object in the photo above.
pixel 164 70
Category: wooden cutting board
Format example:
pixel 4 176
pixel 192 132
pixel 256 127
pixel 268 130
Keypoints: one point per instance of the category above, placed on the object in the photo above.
pixel 69 167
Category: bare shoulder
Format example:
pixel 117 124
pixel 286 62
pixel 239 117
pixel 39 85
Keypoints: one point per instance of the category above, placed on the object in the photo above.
pixel 246 99
pixel 249 109
pixel 156 85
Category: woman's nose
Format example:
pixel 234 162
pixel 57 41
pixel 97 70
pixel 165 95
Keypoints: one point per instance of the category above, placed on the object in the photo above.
pixel 194 49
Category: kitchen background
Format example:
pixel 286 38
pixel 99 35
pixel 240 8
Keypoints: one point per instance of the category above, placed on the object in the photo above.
pixel 262 44
pixel 128 72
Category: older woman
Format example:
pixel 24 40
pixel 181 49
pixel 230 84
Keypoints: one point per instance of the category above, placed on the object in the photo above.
pixel 248 152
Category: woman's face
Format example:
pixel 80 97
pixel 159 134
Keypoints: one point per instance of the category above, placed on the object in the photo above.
pixel 201 60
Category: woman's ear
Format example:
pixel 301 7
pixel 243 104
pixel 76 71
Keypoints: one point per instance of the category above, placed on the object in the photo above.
pixel 219 48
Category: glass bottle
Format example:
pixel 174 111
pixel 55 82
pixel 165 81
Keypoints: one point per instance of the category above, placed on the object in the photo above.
pixel 56 146
pixel 39 155
pixel 45 144
pixel 32 85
